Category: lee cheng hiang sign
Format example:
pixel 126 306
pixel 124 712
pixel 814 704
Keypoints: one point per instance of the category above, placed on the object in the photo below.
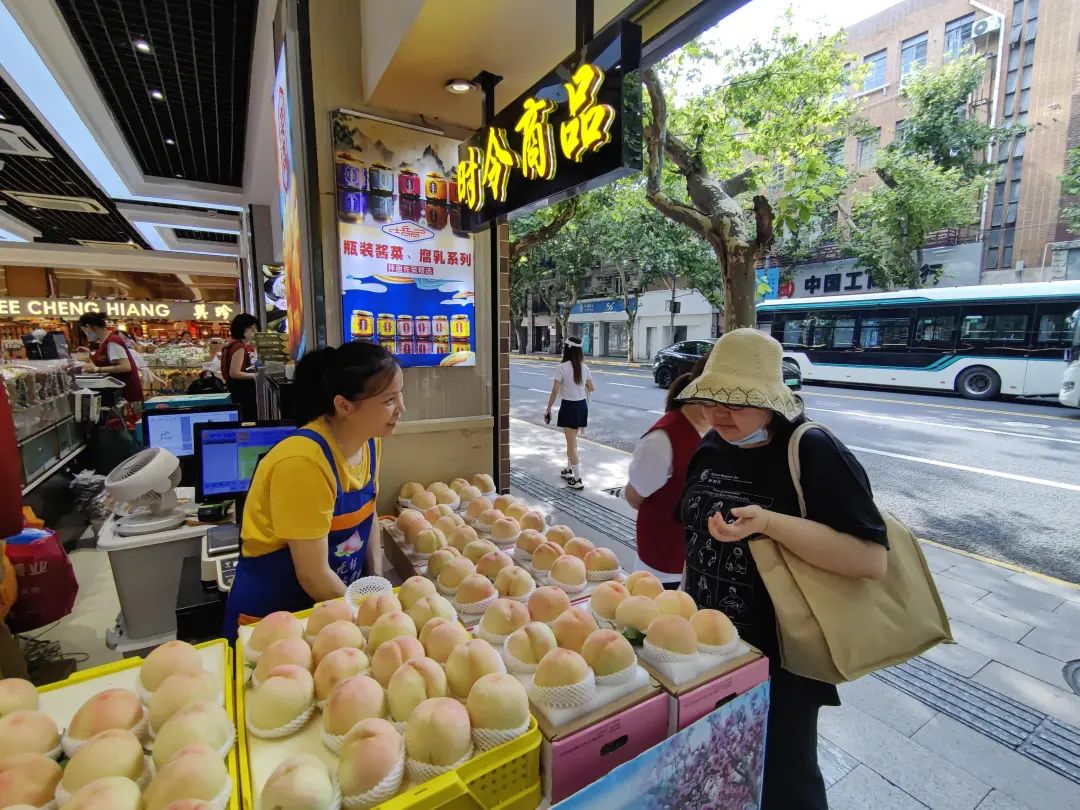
pixel 577 128
pixel 71 309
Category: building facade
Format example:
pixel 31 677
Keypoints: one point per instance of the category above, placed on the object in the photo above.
pixel 1031 78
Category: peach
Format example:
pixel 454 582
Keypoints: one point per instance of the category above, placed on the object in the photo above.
pixel 388 627
pixel 579 547
pixel 327 613
pixel 675 603
pixel 461 537
pixel 533 521
pixel 196 772
pixel 112 708
pixel 492 563
pixel 483 482
pixel 545 556
pixel 529 644
pixel 498 701
pixel 375 606
pixel 351 702
pixel 601 560
pixel 108 793
pixel 285 695
pixel 547 603
pixel 636 613
pixel 28 732
pixel 167 659
pixel 274 627
pixel 529 541
pixel 608 652
pixel 468 663
pixel 28 779
pixel 477 549
pixel 561 667
pixel 439 732
pixel 426 609
pixel 572 628
pixel 454 572
pixel 560 534
pixel 337 636
pixel 568 571
pixel 514 582
pixel 370 753
pixel 293 651
pixel 437 561
pixel 643 583
pixel 337 667
pixel 391 655
pixel 440 637
pixel 504 616
pixel 206 723
pixel 607 597
pixel 111 753
pixel 414 682
pixel 505 530
pixel 301 781
pixel 672 633
pixel 712 628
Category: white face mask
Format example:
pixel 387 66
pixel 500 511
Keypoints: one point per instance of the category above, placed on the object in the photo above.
pixel 757 437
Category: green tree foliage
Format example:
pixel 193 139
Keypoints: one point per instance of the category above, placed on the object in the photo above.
pixel 1070 185
pixel 526 234
pixel 931 178
pixel 744 160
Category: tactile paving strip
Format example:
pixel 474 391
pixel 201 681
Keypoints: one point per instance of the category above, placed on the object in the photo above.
pixel 1040 738
pixel 606 521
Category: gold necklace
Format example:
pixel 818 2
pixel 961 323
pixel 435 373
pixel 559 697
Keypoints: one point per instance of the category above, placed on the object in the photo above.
pixel 341 449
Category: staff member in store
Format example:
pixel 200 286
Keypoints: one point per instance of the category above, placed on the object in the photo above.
pixel 738 487
pixel 237 368
pixel 310 518
pixel 112 355
pixel 658 479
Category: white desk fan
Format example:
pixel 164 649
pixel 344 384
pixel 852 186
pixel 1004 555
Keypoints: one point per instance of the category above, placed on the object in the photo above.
pixel 146 483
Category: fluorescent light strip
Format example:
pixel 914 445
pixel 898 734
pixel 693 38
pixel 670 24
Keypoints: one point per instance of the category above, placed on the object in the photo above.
pixel 151 234
pixel 190 227
pixel 22 63
pixel 8 236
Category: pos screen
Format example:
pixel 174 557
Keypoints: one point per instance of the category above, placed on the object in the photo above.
pixel 174 428
pixel 226 455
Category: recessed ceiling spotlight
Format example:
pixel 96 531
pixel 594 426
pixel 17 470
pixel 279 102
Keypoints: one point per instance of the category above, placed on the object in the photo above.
pixel 3 117
pixel 180 176
pixel 157 95
pixel 141 45
pixel 460 87
pixel 170 142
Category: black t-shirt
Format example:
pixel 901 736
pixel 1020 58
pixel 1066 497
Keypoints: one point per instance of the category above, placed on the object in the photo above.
pixel 721 477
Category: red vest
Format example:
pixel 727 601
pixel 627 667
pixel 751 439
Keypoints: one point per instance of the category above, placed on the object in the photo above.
pixel 661 540
pixel 133 390
pixel 231 348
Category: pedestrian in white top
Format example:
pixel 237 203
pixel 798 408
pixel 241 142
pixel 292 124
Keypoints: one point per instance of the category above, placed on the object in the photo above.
pixel 573 381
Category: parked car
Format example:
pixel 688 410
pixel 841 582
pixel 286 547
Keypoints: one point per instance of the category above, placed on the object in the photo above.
pixel 680 358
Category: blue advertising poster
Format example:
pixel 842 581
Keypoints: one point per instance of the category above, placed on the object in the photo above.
pixel 715 764
pixel 407 267
pixel 768 284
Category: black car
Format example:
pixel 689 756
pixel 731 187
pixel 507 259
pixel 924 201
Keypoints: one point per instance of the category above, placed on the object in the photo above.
pixel 679 359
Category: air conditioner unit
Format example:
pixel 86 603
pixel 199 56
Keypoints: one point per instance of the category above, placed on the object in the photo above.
pixel 673 306
pixel 54 202
pixel 15 140
pixel 987 25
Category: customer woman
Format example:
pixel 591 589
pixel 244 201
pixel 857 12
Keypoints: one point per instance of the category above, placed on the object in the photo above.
pixel 310 516
pixel 237 367
pixel 739 487
pixel 574 383
pixel 658 479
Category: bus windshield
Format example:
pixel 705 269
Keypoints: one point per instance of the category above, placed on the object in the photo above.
pixel 1074 347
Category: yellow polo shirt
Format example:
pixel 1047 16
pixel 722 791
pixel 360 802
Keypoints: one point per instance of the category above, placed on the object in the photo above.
pixel 293 491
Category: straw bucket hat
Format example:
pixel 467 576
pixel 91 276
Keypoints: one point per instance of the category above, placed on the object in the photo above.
pixel 745 368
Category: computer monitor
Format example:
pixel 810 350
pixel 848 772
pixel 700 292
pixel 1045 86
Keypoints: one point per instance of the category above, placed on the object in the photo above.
pixel 173 428
pixel 226 455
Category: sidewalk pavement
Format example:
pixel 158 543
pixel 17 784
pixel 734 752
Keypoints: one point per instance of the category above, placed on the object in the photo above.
pixel 886 747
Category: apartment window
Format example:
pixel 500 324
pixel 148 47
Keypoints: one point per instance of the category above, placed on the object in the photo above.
pixel 1007 245
pixel 875 77
pixel 901 130
pixel 834 152
pixel 866 149
pixel 912 54
pixel 958 36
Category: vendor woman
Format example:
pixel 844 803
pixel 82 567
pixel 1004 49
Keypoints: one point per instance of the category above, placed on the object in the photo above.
pixel 310 518
pixel 112 355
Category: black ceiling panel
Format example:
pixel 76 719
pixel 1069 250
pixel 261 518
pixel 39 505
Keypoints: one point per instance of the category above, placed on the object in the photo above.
pixel 205 236
pixel 199 58
pixel 59 175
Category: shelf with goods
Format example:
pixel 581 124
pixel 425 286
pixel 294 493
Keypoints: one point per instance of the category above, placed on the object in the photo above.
pixel 40 393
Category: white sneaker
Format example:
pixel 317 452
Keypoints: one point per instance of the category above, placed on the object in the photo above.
pixel 575 483
pixel 566 473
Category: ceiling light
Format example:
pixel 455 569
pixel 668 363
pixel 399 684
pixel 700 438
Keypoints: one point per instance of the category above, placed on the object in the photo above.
pixel 460 87
pixel 141 45
pixel 3 117
pixel 170 142
pixel 157 95
pixel 180 176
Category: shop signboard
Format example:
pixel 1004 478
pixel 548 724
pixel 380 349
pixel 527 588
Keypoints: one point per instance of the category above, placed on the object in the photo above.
pixel 602 306
pixel 716 762
pixel 71 309
pixel 407 264
pixel 289 207
pixel 577 128
pixel 768 284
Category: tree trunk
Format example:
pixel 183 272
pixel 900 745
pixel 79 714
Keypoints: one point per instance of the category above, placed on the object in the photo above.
pixel 740 288
pixel 671 314
pixel 631 319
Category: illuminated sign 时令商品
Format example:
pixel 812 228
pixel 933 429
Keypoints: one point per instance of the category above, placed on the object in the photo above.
pixel 579 127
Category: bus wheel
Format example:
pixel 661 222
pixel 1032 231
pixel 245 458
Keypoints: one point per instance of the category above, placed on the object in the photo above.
pixel 978 382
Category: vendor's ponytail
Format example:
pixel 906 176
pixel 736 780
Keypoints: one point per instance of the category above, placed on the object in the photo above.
pixel 355 371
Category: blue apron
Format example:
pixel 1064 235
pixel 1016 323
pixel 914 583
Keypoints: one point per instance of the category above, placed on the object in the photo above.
pixel 268 583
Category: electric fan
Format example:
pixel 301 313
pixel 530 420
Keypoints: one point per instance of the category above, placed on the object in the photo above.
pixel 146 485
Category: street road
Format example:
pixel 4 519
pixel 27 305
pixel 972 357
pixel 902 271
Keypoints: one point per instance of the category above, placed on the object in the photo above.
pixel 1001 479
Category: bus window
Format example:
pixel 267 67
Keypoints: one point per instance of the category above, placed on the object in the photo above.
pixel 1053 331
pixel 884 333
pixel 935 329
pixel 831 332
pixel 994 326
pixel 796 332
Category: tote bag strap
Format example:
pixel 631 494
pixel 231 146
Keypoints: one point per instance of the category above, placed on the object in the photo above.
pixel 793 459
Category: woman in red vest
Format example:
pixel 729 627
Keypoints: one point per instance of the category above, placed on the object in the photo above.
pixel 237 367
pixel 112 356
pixel 658 479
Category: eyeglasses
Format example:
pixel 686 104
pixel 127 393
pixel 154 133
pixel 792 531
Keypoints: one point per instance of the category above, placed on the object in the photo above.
pixel 725 405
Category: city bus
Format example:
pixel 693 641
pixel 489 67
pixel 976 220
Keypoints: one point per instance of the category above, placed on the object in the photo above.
pixel 1070 382
pixel 981 342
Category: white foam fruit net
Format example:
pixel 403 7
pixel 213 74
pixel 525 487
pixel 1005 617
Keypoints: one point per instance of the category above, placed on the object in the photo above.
pixel 619 678
pixel 385 790
pixel 367 586
pixel 603 576
pixel 564 587
pixel 487 738
pixel 565 697
pixel 420 772
pixel 721 650
pixel 286 730
pixel 474 608
pixel 658 655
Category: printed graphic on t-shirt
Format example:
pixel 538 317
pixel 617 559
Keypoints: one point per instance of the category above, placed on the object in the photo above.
pixel 719 575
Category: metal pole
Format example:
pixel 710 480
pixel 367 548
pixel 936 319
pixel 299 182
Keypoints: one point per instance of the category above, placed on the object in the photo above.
pixel 583 23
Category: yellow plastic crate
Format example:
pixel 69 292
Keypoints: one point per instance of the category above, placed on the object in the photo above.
pixel 232 761
pixel 505 778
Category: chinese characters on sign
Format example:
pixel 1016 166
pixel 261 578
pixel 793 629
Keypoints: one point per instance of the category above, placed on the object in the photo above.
pixel 73 308
pixel 587 130
pixel 832 283
pixel 579 126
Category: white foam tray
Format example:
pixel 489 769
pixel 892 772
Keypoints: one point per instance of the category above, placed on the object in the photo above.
pixel 604 696
pixel 684 672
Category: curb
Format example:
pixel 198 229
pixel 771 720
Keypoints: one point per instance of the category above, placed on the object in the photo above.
pixel 589 361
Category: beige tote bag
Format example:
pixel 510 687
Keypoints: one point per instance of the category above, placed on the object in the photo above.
pixel 835 628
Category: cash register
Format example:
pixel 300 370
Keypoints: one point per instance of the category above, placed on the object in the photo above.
pixel 225 457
